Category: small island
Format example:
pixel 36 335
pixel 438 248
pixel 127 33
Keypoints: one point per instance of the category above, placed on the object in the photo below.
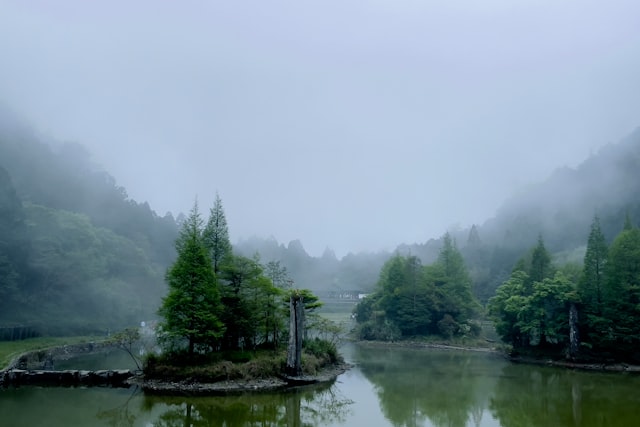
pixel 224 322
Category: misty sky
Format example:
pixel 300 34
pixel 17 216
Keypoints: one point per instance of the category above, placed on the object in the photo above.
pixel 356 125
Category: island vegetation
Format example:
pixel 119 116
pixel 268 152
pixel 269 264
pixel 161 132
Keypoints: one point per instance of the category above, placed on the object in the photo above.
pixel 225 316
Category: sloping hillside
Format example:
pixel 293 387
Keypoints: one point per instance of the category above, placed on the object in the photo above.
pixel 76 254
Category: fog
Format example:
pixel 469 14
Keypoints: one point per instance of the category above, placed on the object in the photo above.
pixel 353 125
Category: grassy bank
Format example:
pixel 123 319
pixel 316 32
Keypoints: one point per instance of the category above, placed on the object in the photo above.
pixel 9 350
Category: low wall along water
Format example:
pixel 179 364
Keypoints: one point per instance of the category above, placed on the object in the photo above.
pixel 36 368
pixel 20 377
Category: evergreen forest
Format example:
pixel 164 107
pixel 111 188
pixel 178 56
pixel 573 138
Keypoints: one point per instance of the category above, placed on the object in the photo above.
pixel 557 268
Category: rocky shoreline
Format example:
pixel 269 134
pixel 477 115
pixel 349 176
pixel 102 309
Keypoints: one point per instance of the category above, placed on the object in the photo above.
pixel 34 368
pixel 67 378
pixel 194 388
pixel 593 366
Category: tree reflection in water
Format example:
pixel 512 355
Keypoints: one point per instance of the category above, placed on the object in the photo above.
pixel 448 388
pixel 544 396
pixel 320 405
pixel 121 415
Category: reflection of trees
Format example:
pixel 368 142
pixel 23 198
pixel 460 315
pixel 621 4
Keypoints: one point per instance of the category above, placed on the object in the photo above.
pixel 120 416
pixel 542 396
pixel 445 387
pixel 294 408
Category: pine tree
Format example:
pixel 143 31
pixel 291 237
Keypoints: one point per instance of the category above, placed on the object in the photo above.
pixel 595 260
pixel 621 296
pixel 216 235
pixel 456 277
pixel 474 237
pixel 191 308
pixel 540 262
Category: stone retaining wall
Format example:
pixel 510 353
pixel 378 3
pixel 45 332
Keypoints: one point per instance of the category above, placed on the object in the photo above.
pixel 69 378
pixel 44 359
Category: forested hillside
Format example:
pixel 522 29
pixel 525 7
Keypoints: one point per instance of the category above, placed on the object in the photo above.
pixel 560 209
pixel 77 255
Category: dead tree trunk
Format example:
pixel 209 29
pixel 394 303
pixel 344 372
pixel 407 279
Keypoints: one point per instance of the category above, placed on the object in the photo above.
pixel 574 338
pixel 296 327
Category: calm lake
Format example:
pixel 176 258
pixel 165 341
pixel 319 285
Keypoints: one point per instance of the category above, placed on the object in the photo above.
pixel 386 387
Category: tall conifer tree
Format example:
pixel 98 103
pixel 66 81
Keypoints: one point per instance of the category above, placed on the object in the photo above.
pixel 595 260
pixel 216 235
pixel 191 308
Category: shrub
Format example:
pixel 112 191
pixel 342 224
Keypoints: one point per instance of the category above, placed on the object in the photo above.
pixel 379 331
pixel 322 349
pixel 447 326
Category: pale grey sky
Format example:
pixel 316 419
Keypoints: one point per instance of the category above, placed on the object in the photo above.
pixel 356 125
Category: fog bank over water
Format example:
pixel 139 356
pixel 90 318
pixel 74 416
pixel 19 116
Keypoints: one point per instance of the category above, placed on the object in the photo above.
pixel 341 124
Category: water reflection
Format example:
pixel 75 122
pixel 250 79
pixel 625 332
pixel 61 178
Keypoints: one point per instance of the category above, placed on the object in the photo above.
pixel 121 415
pixel 446 388
pixel 296 408
pixel 542 396
pixel 399 387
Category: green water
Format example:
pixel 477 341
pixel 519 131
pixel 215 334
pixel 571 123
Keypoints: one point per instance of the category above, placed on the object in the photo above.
pixel 386 387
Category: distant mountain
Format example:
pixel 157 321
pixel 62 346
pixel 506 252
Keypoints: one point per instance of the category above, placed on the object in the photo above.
pixel 562 207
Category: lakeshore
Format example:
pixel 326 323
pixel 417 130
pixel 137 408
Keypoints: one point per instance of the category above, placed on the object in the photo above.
pixel 34 368
pixel 189 387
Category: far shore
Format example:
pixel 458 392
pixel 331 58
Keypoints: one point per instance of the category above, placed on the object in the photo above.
pixel 422 344
pixel 604 366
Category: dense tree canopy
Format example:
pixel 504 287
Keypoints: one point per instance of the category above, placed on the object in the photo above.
pixel 192 308
pixel 536 315
pixel 76 254
pixel 413 299
pixel 238 307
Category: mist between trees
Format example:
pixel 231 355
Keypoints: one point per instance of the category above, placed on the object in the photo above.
pixel 79 256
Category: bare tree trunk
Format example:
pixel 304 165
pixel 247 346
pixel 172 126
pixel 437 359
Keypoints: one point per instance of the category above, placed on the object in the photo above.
pixel 296 327
pixel 574 338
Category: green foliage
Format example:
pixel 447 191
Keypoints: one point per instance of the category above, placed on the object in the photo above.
pixel 534 315
pixel 508 306
pixel 592 286
pixel 214 367
pixel 216 235
pixel 378 329
pixel 99 280
pixel 621 296
pixel 420 300
pixel 191 309
pixel 77 256
pixel 127 340
pixel 252 309
pixel 540 262
pixel 13 243
pixel 322 348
